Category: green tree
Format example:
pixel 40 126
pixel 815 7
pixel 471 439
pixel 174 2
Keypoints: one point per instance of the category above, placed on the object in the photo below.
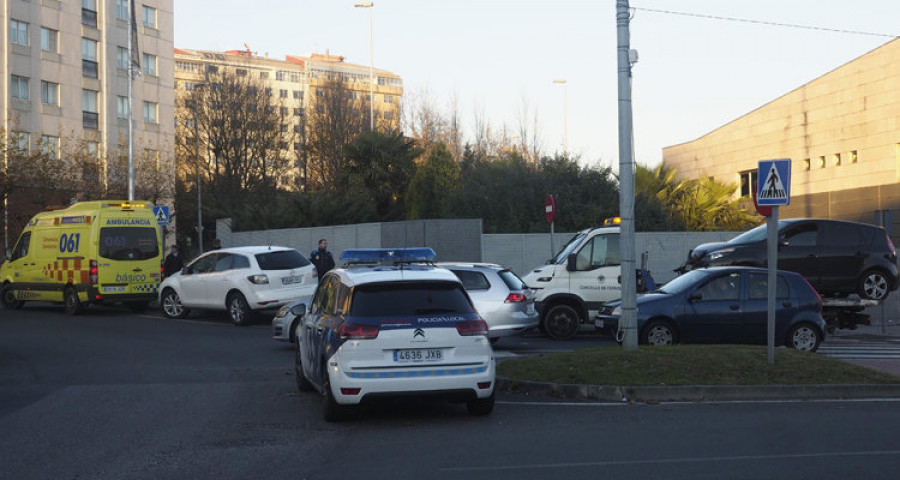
pixel 382 166
pixel 429 192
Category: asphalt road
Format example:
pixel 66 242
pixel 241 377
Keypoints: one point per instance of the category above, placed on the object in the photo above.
pixel 112 395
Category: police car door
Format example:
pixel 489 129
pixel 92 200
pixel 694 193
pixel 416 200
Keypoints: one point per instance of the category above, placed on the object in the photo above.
pixel 597 269
pixel 315 335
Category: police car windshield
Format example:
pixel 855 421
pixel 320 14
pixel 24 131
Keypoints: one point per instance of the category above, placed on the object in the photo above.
pixel 408 299
pixel 128 243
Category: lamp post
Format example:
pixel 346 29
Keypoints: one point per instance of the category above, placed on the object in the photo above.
pixel 199 181
pixel 370 6
pixel 565 114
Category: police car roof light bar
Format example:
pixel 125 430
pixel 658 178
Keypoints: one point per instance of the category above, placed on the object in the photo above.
pixel 388 255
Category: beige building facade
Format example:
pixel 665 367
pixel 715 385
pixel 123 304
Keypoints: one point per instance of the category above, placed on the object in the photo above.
pixel 295 81
pixel 66 79
pixel 841 132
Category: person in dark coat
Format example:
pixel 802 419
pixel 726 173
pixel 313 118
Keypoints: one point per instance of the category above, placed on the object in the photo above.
pixel 321 258
pixel 173 263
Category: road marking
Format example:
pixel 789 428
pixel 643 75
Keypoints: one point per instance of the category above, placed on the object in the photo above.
pixel 675 461
pixel 865 352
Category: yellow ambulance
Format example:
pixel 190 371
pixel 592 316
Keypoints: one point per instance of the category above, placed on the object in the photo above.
pixel 89 253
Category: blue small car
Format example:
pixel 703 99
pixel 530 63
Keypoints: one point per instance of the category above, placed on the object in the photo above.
pixel 724 305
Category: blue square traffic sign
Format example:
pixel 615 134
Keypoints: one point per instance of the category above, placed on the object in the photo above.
pixel 774 182
pixel 162 214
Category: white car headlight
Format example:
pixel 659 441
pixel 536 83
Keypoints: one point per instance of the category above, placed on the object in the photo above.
pixel 283 311
pixel 617 311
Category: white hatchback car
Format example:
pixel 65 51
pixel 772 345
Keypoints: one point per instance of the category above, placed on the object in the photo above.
pixel 389 326
pixel 239 280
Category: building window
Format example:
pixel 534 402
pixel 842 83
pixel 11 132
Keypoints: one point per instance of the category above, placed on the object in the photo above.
pixel 122 9
pixel 20 142
pixel 853 156
pixel 89 13
pixel 806 164
pixel 148 16
pixel 284 111
pixel 282 93
pixel 821 162
pixel 50 93
pixel 749 179
pixel 388 115
pixel 388 99
pixel 50 146
pixel 18 32
pixel 122 57
pixel 298 112
pixel 122 110
pixel 298 94
pixel 150 112
pixel 149 64
pixel 836 159
pixel 19 87
pixel 49 40
pixel 263 75
pixel 89 109
pixel 89 58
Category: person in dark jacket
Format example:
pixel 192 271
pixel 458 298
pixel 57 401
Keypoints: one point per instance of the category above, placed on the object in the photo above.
pixel 321 258
pixel 173 263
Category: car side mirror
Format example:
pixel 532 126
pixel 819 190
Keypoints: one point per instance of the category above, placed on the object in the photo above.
pixel 570 262
pixel 695 297
pixel 299 310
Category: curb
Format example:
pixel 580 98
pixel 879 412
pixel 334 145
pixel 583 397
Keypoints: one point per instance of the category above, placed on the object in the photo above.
pixel 696 393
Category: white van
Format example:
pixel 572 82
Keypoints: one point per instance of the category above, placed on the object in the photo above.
pixel 572 286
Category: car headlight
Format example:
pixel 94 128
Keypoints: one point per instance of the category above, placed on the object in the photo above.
pixel 713 256
pixel 283 311
pixel 616 311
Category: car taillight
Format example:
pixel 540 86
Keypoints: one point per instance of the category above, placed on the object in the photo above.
pixel 515 298
pixel 472 327
pixel 93 272
pixel 258 279
pixel 818 297
pixel 890 245
pixel 357 331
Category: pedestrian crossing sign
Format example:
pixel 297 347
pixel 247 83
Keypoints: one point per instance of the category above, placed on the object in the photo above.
pixel 774 182
pixel 162 214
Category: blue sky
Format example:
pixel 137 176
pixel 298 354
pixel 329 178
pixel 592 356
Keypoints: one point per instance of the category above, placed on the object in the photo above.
pixel 496 56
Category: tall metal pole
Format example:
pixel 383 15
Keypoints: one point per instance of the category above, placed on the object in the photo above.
pixel 772 255
pixel 628 320
pixel 6 136
pixel 199 184
pixel 565 85
pixel 370 6
pixel 131 27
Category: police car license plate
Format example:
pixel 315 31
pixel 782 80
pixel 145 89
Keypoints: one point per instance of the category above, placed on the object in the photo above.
pixel 290 280
pixel 418 355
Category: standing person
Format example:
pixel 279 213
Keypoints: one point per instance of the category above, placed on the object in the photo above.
pixel 173 263
pixel 217 244
pixel 321 258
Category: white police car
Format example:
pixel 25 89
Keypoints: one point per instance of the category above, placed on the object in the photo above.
pixel 389 324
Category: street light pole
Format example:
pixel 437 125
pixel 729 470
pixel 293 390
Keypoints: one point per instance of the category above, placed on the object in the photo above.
pixel 370 6
pixel 199 180
pixel 565 85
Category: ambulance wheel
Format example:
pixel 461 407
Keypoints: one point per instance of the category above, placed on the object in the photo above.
pixel 73 303
pixel 8 298
pixel 238 310
pixel 171 304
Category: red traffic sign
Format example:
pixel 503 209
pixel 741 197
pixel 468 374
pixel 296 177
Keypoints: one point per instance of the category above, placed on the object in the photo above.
pixel 764 210
pixel 549 208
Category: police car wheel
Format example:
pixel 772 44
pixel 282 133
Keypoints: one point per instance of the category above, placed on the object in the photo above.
pixel 72 302
pixel 238 310
pixel 482 406
pixel 302 383
pixel 171 305
pixel 8 298
pixel 331 410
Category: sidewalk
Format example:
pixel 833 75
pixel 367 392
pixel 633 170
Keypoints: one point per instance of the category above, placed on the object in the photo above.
pixel 864 334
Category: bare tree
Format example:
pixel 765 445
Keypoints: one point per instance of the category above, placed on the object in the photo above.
pixel 529 140
pixel 335 119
